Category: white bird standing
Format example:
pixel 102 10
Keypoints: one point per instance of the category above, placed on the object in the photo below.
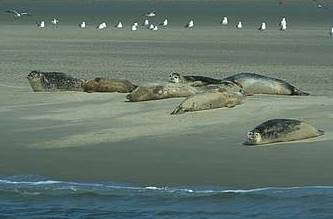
pixel 331 32
pixel 224 21
pixel 283 27
pixel 101 26
pixel 190 24
pixel 151 26
pixel 239 25
pixel 54 21
pixel 119 25
pixel 134 27
pixel 136 24
pixel 283 22
pixel 155 28
pixel 146 23
pixel 164 23
pixel 17 14
pixel 262 26
pixel 83 24
pixel 41 24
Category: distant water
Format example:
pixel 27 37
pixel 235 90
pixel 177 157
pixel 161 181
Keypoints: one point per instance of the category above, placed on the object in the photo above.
pixel 204 13
pixel 38 197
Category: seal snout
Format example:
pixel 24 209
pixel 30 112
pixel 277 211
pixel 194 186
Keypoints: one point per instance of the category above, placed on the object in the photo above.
pixel 253 138
pixel 174 77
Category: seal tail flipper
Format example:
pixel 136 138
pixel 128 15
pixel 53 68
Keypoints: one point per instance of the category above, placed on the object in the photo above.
pixel 299 92
pixel 178 110
pixel 321 132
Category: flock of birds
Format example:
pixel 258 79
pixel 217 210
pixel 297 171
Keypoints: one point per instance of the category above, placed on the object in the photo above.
pixel 151 26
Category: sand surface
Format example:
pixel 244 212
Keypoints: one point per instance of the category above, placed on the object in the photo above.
pixel 100 136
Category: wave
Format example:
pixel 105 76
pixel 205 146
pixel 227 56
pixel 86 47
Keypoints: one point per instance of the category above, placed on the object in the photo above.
pixel 36 197
pixel 46 185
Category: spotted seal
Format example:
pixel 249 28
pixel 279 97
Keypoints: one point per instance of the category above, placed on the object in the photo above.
pixel 53 81
pixel 209 100
pixel 162 91
pixel 259 84
pixel 192 79
pixel 281 130
pixel 108 85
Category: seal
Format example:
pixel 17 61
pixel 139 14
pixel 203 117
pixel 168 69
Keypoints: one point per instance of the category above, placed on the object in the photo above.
pixel 281 130
pixel 192 79
pixel 108 85
pixel 209 100
pixel 53 81
pixel 227 86
pixel 159 91
pixel 259 84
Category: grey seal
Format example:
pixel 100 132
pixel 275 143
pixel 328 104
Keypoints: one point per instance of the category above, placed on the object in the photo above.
pixel 108 85
pixel 209 100
pixel 161 91
pixel 194 80
pixel 54 81
pixel 259 84
pixel 281 130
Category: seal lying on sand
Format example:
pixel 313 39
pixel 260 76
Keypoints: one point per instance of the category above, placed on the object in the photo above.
pixel 281 130
pixel 108 85
pixel 210 100
pixel 157 92
pixel 227 86
pixel 192 79
pixel 54 81
pixel 259 84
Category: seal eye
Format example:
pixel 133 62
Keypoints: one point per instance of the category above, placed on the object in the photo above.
pixel 250 135
pixel 176 78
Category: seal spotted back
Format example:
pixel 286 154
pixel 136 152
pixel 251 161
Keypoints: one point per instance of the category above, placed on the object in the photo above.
pixel 53 81
pixel 253 83
pixel 281 130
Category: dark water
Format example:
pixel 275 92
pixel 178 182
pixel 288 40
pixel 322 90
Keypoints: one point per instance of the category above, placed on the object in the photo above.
pixel 204 13
pixel 38 197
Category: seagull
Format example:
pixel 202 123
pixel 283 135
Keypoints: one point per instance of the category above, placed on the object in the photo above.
pixel 119 25
pixel 41 24
pixel 151 26
pixel 224 21
pixel 283 27
pixel 17 14
pixel 134 27
pixel 151 14
pixel 319 4
pixel 239 25
pixel 136 24
pixel 283 22
pixel 190 24
pixel 155 28
pixel 146 22
pixel 331 32
pixel 83 24
pixel 262 26
pixel 101 26
pixel 54 21
pixel 164 23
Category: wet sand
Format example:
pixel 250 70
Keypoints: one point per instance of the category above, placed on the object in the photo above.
pixel 101 137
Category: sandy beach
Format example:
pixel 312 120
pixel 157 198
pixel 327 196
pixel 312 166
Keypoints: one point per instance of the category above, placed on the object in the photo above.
pixel 101 137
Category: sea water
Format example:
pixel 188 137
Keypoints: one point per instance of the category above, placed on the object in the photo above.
pixel 38 197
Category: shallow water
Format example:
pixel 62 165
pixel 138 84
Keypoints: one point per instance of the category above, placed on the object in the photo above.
pixel 34 197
